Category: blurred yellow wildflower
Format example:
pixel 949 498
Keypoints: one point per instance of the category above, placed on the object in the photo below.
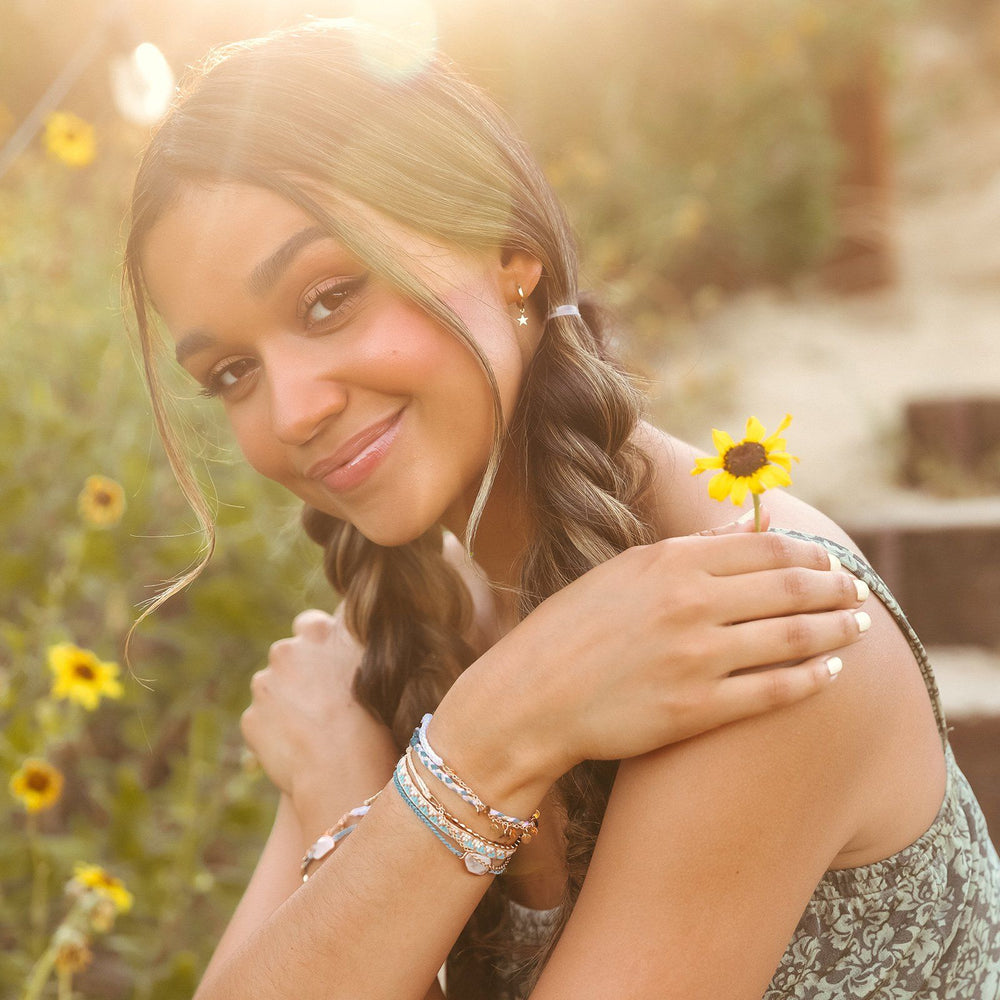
pixel 95 878
pixel 752 465
pixel 37 784
pixel 81 677
pixel 70 139
pixel 72 954
pixel 101 502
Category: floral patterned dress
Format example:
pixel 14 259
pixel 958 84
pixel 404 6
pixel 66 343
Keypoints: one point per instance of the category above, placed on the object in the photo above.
pixel 923 924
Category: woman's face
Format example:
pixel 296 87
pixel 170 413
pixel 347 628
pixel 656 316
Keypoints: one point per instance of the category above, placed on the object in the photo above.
pixel 337 386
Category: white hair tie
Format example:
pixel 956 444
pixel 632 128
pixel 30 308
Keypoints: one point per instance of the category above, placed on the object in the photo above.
pixel 566 310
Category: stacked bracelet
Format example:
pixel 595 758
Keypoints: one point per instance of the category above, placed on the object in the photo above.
pixel 327 841
pixel 480 855
pixel 507 826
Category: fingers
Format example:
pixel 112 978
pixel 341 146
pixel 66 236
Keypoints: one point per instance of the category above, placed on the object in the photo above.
pixel 793 638
pixel 313 624
pixel 739 552
pixel 781 592
pixel 744 522
pixel 745 695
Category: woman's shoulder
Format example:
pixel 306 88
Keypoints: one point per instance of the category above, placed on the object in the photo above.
pixel 874 729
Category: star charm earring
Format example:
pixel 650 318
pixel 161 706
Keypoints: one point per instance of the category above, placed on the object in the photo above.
pixel 522 318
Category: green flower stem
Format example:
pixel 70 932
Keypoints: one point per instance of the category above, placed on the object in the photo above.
pixel 64 978
pixel 756 511
pixel 39 974
pixel 39 908
pixel 42 969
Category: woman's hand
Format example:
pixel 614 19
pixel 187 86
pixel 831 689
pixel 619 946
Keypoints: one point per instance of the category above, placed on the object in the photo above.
pixel 650 648
pixel 304 724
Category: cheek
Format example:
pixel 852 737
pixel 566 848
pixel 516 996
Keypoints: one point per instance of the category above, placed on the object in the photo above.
pixel 258 445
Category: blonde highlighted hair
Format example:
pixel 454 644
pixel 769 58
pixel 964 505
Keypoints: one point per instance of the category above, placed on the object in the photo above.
pixel 314 115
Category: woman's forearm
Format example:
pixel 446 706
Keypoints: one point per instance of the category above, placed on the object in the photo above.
pixel 376 920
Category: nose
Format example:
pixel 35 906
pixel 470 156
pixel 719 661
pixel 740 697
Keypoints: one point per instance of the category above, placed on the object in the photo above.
pixel 302 400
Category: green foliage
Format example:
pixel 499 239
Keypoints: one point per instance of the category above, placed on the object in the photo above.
pixel 156 789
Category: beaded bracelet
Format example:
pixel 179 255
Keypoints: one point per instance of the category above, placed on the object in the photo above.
pixel 327 841
pixel 508 826
pixel 480 856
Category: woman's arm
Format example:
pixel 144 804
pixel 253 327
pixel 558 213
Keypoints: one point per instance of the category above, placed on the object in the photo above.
pixel 381 914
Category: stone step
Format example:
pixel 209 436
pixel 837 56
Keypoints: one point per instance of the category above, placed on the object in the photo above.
pixel 941 558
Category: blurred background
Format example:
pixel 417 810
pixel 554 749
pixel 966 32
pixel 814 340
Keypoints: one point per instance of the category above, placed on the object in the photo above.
pixel 790 205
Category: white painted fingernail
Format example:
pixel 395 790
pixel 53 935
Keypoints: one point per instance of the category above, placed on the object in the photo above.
pixel 864 621
pixel 834 664
pixel 834 561
pixel 862 588
pixel 743 518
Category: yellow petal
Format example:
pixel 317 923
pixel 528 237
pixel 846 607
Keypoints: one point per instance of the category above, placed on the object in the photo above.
pixel 741 487
pixel 722 441
pixel 721 484
pixel 773 475
pixel 755 430
pixel 782 458
pixel 702 464
pixel 776 440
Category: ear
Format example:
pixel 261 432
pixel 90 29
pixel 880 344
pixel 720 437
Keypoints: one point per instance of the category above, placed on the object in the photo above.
pixel 519 269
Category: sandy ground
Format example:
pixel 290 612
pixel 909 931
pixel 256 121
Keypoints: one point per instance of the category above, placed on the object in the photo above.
pixel 846 366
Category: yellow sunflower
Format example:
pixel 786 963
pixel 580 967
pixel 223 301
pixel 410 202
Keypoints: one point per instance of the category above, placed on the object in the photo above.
pixel 752 465
pixel 37 784
pixel 94 877
pixel 70 139
pixel 81 677
pixel 101 502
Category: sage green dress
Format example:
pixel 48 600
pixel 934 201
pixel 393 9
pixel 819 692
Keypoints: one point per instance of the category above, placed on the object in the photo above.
pixel 923 924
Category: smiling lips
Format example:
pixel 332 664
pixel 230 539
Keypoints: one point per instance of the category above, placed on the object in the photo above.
pixel 358 457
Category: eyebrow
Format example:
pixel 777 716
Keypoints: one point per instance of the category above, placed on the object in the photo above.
pixel 262 279
pixel 267 272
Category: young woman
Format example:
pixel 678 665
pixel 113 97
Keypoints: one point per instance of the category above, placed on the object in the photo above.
pixel 369 271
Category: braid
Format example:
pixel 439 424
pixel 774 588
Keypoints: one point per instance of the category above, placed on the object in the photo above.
pixel 409 609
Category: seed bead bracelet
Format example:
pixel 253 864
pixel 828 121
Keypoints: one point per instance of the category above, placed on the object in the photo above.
pixel 508 826
pixel 480 856
pixel 327 841
pixel 450 818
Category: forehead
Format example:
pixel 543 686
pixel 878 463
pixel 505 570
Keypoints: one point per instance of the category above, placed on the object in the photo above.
pixel 216 234
pixel 212 233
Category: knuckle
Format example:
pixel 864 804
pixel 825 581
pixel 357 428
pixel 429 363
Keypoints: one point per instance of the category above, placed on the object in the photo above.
pixel 313 622
pixel 796 583
pixel 258 682
pixel 780 548
pixel 798 635
pixel 779 687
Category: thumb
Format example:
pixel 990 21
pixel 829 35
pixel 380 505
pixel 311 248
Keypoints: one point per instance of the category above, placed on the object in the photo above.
pixel 743 523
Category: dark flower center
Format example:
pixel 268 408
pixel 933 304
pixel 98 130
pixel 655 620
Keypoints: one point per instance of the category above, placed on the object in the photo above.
pixel 84 671
pixel 102 498
pixel 38 781
pixel 745 458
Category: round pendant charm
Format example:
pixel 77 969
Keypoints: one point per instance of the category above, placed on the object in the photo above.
pixel 478 864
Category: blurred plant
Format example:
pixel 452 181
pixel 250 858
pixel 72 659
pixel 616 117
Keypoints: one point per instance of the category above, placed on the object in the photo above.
pixel 101 502
pixel 37 784
pixel 154 787
pixel 96 899
pixel 70 139
pixel 81 677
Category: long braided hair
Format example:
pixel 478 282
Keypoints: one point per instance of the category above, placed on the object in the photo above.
pixel 331 114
